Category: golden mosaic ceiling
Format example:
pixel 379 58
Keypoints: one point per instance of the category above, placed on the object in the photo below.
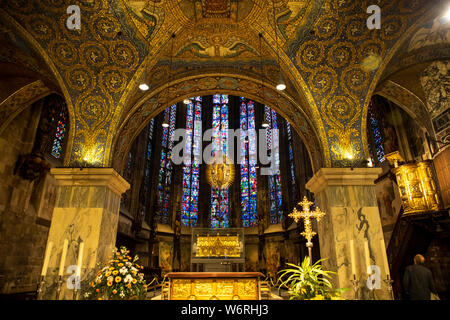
pixel 331 60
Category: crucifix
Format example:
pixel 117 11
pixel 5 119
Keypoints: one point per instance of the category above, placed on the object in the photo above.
pixel 307 215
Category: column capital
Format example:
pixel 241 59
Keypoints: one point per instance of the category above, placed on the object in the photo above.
pixel 107 177
pixel 342 177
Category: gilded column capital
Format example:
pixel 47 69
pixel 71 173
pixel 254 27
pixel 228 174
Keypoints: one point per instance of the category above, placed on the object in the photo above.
pixel 107 177
pixel 342 177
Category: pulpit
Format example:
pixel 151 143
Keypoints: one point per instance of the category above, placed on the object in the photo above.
pixel 215 285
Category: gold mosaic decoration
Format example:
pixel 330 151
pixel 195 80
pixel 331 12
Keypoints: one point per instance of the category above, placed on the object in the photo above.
pixel 331 58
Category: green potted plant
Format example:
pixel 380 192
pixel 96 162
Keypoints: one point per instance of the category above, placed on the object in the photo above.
pixel 119 279
pixel 309 282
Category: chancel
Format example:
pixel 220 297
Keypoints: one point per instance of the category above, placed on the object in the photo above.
pixel 222 150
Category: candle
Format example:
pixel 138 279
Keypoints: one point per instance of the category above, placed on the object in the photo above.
pixel 47 258
pixel 80 259
pixel 366 251
pixel 352 257
pixel 386 262
pixel 63 258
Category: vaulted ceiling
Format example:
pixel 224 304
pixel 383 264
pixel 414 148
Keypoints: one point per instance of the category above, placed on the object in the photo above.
pixel 329 58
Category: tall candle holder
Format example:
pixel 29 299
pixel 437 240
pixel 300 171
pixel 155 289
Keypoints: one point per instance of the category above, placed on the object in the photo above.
pixel 371 288
pixel 40 287
pixel 355 285
pixel 389 282
pixel 58 288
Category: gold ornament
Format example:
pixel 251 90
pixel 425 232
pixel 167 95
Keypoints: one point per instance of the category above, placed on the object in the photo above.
pixel 220 175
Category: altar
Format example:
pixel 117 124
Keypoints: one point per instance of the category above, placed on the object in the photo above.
pixel 214 285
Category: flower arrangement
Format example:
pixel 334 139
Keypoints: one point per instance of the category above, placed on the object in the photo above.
pixel 119 279
pixel 309 282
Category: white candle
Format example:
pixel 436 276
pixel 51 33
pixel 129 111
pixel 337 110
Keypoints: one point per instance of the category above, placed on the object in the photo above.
pixel 80 259
pixel 352 257
pixel 63 258
pixel 47 258
pixel 386 262
pixel 366 252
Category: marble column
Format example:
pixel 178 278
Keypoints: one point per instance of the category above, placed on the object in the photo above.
pixel 348 198
pixel 86 210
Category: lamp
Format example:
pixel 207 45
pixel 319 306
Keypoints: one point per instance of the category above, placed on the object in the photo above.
pixel 281 85
pixel 186 101
pixel 144 87
pixel 446 16
pixel 265 124
pixel 165 123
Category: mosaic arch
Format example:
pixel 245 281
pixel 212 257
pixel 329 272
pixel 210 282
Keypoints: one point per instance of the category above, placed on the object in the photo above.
pixel 20 100
pixel 155 102
pixel 331 34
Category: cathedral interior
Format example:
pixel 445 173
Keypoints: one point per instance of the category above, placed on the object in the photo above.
pixel 92 94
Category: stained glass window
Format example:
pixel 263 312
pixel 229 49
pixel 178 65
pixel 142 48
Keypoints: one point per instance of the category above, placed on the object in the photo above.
pixel 191 169
pixel 248 163
pixel 291 159
pixel 165 170
pixel 144 193
pixel 275 193
pixel 377 137
pixel 58 142
pixel 219 197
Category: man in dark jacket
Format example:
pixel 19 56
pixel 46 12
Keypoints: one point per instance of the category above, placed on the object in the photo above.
pixel 418 280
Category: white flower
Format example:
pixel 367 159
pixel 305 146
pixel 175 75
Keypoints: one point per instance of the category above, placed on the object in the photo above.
pixel 87 294
pixel 121 294
pixel 134 269
pixel 128 278
pixel 129 264
pixel 123 270
pixel 110 279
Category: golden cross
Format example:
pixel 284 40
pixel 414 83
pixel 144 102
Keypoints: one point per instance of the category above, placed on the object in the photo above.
pixel 307 215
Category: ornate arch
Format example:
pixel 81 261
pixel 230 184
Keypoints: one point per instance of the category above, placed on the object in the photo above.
pixel 409 32
pixel 11 22
pixel 20 100
pixel 408 101
pixel 156 101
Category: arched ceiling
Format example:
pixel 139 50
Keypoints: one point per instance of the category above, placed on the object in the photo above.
pixel 332 60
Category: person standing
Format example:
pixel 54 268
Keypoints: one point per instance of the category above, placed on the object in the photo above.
pixel 418 280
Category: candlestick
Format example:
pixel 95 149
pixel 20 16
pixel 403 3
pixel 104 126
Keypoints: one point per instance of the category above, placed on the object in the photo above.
pixel 355 284
pixel 366 252
pixel 58 288
pixel 389 282
pixel 386 262
pixel 63 258
pixel 47 258
pixel 352 256
pixel 40 286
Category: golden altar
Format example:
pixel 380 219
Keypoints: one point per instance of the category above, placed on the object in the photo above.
pixel 214 285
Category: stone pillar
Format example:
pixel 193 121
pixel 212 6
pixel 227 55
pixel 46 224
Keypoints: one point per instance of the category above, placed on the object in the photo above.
pixel 348 198
pixel 86 210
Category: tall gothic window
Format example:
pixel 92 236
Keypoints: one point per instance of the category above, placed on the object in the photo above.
pixel 145 190
pixel 219 197
pixel 275 193
pixel 248 163
pixel 58 142
pixel 376 135
pixel 191 170
pixel 165 170
pixel 291 159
